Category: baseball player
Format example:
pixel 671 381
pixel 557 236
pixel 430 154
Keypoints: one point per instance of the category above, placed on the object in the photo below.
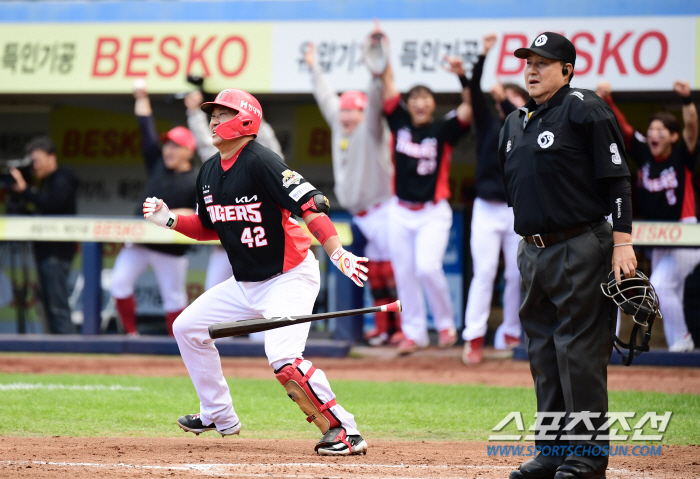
pixel 246 197
pixel 420 216
pixel 665 193
pixel 492 220
pixel 171 176
pixel 362 172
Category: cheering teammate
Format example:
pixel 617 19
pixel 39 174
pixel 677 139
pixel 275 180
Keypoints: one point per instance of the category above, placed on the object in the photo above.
pixel 171 176
pixel 420 216
pixel 362 172
pixel 665 193
pixel 492 220
pixel 245 198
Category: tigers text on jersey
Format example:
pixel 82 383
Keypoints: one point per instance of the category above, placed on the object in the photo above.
pixel 422 154
pixel 665 188
pixel 250 207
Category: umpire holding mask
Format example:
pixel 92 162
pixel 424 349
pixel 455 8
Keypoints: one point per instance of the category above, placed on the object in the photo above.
pixel 565 169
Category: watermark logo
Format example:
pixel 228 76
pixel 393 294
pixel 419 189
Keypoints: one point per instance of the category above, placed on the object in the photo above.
pixel 551 426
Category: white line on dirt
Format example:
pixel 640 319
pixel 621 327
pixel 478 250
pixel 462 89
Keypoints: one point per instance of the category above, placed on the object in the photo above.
pixel 218 469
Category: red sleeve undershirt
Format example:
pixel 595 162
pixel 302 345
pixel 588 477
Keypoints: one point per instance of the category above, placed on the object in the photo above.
pixel 391 104
pixel 192 227
pixel 627 130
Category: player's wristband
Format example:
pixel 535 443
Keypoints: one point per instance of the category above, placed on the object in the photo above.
pixel 622 244
pixel 687 100
pixel 463 80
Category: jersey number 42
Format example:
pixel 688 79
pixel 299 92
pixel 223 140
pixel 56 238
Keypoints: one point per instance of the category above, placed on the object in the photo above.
pixel 258 240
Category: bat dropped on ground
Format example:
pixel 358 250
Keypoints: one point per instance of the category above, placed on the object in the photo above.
pixel 248 326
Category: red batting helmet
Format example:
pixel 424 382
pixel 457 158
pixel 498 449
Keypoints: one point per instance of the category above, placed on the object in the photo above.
pixel 353 100
pixel 247 120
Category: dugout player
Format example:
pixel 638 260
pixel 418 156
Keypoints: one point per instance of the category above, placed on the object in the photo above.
pixel 362 172
pixel 492 220
pixel 171 176
pixel 665 192
pixel 420 216
pixel 565 169
pixel 245 198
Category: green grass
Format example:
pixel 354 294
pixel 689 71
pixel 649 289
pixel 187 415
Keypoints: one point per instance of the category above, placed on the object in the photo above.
pixel 395 410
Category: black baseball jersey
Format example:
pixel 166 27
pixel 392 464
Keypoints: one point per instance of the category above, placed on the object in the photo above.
pixel 665 188
pixel 422 155
pixel 553 159
pixel 176 189
pixel 250 207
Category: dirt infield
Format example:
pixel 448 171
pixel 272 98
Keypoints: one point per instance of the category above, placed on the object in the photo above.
pixel 212 456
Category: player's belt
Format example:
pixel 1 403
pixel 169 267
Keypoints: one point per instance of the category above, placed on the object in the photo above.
pixel 413 206
pixel 548 239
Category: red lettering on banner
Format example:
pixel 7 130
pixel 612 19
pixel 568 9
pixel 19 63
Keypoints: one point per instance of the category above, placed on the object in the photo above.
pixel 244 56
pixel 173 58
pixel 130 142
pixel 111 230
pixel 507 53
pixel 320 142
pixel 136 56
pixel 662 233
pixel 101 55
pixel 613 52
pixel 91 140
pixel 111 142
pixel 675 233
pixel 663 43
pixel 198 55
pixel 71 143
pixel 583 54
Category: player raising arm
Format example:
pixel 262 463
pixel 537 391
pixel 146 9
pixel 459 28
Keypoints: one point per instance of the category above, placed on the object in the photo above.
pixel 245 198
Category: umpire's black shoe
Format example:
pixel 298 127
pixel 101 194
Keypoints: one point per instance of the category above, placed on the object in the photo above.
pixel 192 423
pixel 532 470
pixel 577 470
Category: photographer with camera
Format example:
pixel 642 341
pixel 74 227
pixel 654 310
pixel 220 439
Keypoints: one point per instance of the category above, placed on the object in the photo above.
pixel 55 195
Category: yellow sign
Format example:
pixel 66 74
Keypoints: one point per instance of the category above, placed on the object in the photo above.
pixel 88 137
pixel 313 136
pixel 108 57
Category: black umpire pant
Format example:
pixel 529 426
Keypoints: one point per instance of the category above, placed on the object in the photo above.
pixel 567 322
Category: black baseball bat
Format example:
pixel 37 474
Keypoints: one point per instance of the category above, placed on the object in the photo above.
pixel 248 326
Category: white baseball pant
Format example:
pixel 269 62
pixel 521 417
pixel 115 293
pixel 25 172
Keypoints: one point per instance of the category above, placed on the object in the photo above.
pixel 492 230
pixel 669 269
pixel 419 241
pixel 290 294
pixel 373 225
pixel 170 270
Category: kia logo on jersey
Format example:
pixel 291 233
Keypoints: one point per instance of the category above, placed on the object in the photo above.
pixel 226 213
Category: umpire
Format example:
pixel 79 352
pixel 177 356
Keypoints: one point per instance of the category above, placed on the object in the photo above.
pixel 565 169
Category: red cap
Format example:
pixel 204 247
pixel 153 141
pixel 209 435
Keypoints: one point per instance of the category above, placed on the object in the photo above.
pixel 180 136
pixel 353 100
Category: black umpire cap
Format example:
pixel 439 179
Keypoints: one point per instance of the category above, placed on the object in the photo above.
pixel 550 45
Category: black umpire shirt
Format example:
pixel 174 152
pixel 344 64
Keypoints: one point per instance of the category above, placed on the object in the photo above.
pixel 553 158
pixel 250 207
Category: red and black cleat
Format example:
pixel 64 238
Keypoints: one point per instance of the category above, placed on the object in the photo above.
pixel 336 442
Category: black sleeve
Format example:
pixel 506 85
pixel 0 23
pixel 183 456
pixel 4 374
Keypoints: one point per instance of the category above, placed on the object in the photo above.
pixel 451 130
pixel 620 194
pixel 287 187
pixel 507 107
pixel 399 117
pixel 603 136
pixel 150 148
pixel 482 114
pixel 502 161
pixel 690 159
pixel 201 208
pixel 57 198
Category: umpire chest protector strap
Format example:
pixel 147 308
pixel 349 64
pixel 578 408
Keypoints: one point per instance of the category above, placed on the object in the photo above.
pixel 299 390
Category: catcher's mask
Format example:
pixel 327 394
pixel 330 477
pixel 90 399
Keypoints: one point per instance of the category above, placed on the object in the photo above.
pixel 636 297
